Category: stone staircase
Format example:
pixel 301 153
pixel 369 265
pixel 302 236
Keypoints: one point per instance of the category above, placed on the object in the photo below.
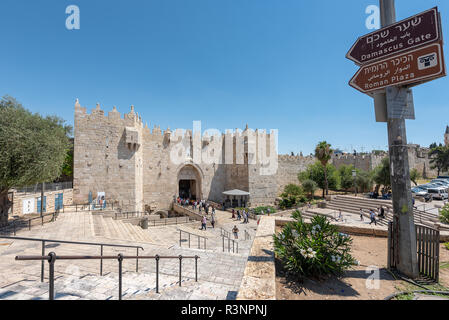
pixel 353 205
pixel 219 273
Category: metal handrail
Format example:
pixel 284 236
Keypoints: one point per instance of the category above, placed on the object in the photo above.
pixel 229 245
pixel 101 245
pixel 28 221
pixel 198 236
pixel 52 257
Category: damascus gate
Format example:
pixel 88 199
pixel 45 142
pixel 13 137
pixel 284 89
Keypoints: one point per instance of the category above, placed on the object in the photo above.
pixel 142 169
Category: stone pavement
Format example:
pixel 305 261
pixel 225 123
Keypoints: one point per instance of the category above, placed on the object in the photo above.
pixel 219 273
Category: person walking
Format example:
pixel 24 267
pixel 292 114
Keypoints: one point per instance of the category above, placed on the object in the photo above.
pixel 212 221
pixel 235 231
pixel 233 214
pixel 373 217
pixel 239 216
pixel 204 223
pixel 361 214
pixel 244 216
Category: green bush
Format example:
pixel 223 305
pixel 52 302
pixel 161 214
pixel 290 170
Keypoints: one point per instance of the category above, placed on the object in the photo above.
pixel 292 195
pixel 444 214
pixel 259 210
pixel 447 245
pixel 313 250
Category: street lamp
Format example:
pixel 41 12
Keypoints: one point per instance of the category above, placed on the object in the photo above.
pixel 354 173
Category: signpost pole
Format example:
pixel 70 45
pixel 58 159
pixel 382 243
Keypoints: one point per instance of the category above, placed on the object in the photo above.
pixel 403 224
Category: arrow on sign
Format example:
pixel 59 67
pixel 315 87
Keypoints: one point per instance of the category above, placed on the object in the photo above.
pixel 407 34
pixel 413 67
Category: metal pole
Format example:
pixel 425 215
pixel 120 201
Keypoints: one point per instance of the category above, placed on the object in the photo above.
pixel 137 261
pixel 400 172
pixel 42 262
pixel 51 282
pixel 157 273
pixel 180 269
pixel 180 245
pixel 189 240
pixel 120 260
pixel 223 243
pixel 196 268
pixel 101 261
pixel 42 198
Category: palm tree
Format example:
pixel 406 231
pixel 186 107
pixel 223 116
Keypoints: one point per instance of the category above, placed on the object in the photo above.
pixel 323 153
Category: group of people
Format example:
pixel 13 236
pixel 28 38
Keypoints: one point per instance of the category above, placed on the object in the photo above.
pixel 372 214
pixel 243 214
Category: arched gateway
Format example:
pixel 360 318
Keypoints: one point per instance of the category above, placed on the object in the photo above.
pixel 189 182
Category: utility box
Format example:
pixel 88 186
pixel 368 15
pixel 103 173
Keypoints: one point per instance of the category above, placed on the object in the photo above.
pixel 144 223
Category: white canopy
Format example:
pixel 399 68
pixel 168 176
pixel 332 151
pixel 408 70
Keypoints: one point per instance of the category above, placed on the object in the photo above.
pixel 236 192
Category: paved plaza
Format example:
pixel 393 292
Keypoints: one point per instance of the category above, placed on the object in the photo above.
pixel 219 273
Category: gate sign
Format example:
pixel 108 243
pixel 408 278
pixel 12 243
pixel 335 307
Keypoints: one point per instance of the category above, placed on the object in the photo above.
pixel 407 34
pixel 412 67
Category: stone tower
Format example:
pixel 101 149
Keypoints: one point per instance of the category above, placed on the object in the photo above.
pixel 446 137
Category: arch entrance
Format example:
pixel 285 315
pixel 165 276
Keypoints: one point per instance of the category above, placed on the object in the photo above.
pixel 189 183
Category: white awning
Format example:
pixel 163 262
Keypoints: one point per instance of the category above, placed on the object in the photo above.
pixel 236 192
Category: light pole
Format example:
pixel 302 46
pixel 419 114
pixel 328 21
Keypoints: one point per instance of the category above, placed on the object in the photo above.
pixel 354 173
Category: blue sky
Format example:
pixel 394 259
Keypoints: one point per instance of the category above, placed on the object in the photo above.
pixel 271 64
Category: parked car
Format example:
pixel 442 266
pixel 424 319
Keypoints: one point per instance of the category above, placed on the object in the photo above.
pixel 443 182
pixel 419 192
pixel 440 194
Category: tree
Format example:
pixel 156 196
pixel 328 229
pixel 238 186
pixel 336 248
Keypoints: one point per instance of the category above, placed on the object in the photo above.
pixel 323 153
pixel 381 174
pixel 33 149
pixel 316 171
pixel 346 178
pixel 439 158
pixel 310 187
pixel 292 195
pixel 364 181
pixel 415 176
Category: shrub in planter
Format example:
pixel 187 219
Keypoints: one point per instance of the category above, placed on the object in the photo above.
pixel 313 250
pixel 259 210
pixel 444 214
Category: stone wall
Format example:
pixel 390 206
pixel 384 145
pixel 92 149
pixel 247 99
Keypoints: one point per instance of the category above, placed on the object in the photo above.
pixel 289 167
pixel 418 158
pixel 18 198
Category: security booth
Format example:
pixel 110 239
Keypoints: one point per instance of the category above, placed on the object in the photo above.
pixel 236 198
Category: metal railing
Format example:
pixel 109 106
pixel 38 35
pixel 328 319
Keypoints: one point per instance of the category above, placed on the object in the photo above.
pixel 189 236
pixel 168 221
pixel 91 206
pixel 132 214
pixel 52 257
pixel 48 187
pixel 26 223
pixel 101 245
pixel 235 245
pixel 225 233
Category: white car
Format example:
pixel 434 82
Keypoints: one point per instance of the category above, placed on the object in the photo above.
pixel 440 194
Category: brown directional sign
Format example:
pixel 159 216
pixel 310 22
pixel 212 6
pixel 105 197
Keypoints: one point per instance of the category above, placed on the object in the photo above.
pixel 405 35
pixel 409 68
